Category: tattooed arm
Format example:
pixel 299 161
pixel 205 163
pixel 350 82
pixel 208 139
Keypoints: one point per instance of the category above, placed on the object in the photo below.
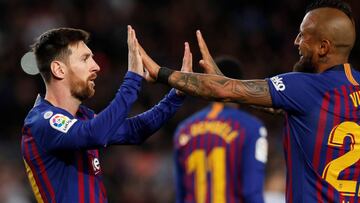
pixel 212 87
pixel 220 88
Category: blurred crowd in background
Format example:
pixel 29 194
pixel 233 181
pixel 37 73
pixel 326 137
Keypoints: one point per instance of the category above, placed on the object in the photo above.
pixel 259 33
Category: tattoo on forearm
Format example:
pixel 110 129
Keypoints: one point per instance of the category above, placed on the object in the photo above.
pixel 251 88
pixel 222 89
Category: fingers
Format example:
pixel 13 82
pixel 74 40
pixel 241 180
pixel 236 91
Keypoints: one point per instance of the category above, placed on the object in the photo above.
pixel 128 34
pixel 187 59
pixel 150 65
pixel 131 38
pixel 207 62
pixel 207 67
pixel 146 58
pixel 136 45
pixel 203 47
pixel 134 58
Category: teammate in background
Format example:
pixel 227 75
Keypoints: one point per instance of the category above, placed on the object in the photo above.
pixel 220 152
pixel 61 137
pixel 320 98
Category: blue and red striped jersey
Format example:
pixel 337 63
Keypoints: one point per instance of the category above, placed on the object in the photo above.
pixel 322 133
pixel 220 155
pixel 60 151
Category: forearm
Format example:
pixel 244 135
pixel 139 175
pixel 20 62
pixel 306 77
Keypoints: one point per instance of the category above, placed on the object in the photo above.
pixel 221 88
pixel 104 125
pixel 137 129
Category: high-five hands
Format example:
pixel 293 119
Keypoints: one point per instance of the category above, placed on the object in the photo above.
pixel 134 59
pixel 186 63
pixel 207 62
pixel 152 68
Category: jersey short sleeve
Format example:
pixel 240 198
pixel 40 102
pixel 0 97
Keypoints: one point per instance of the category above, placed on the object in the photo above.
pixel 293 92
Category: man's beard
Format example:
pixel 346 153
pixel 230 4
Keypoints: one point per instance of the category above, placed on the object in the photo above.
pixel 79 89
pixel 304 65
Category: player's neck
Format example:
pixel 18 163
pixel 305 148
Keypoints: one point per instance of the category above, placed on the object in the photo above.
pixel 331 63
pixel 62 98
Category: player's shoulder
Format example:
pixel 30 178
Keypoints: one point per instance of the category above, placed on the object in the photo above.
pixel 44 115
pixel 295 81
pixel 294 76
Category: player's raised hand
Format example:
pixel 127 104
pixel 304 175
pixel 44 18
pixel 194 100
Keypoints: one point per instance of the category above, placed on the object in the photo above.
pixel 187 64
pixel 207 62
pixel 151 67
pixel 134 59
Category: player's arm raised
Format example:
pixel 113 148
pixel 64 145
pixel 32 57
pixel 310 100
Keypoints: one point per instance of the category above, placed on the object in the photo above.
pixel 221 88
pixel 212 87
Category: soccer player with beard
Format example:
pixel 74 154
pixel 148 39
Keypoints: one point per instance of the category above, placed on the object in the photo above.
pixel 61 137
pixel 321 100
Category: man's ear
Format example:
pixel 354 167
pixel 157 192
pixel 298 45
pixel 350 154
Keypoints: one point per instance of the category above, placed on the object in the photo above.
pixel 324 47
pixel 57 69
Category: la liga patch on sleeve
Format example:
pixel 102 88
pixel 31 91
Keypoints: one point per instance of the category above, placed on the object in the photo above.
pixel 61 122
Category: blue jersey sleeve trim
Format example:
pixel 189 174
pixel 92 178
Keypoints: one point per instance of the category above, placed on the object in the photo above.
pixel 175 98
pixel 272 93
pixel 133 76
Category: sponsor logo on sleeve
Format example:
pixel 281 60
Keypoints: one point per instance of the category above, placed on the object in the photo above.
pixel 278 83
pixel 61 123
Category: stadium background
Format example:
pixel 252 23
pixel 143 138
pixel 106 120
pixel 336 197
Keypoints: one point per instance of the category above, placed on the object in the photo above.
pixel 259 33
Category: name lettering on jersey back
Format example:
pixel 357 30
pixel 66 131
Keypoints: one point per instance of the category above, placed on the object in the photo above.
pixel 219 128
pixel 355 98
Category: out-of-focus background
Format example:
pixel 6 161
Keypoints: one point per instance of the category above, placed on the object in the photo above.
pixel 259 33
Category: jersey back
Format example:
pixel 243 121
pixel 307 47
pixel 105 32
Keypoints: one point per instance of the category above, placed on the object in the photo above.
pixel 220 154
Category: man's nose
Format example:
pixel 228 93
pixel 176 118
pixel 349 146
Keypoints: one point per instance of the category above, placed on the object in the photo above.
pixel 297 40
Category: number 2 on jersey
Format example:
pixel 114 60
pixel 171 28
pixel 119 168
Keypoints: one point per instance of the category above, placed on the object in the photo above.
pixel 199 164
pixel 333 168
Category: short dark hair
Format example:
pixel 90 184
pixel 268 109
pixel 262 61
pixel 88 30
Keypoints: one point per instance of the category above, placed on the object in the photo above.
pixel 229 66
pixel 337 4
pixel 53 44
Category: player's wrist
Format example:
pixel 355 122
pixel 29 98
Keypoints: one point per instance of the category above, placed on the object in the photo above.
pixel 164 74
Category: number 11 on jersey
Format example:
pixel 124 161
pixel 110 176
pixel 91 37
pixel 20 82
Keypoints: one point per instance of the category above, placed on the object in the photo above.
pixel 199 164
